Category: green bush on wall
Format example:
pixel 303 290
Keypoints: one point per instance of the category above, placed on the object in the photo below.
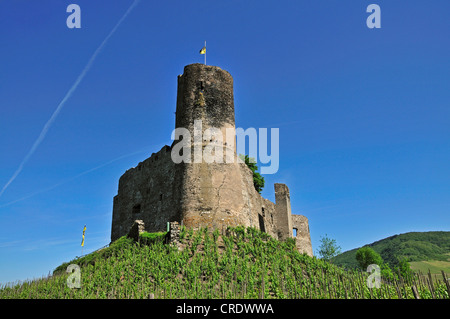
pixel 258 180
pixel 150 238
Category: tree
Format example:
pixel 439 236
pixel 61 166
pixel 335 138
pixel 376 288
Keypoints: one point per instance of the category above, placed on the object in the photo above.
pixel 367 256
pixel 386 272
pixel 328 248
pixel 258 180
pixel 403 268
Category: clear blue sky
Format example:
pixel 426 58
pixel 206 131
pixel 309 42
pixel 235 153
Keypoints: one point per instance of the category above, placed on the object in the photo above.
pixel 364 114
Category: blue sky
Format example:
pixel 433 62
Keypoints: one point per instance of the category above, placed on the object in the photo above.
pixel 364 114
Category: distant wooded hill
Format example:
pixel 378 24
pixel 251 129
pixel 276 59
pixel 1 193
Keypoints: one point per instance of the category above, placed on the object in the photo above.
pixel 417 247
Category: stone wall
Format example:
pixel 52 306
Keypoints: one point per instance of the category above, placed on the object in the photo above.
pixel 283 211
pixel 174 234
pixel 303 239
pixel 258 211
pixel 149 192
pixel 136 229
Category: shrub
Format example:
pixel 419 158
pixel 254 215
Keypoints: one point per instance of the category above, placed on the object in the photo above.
pixel 150 238
pixel 367 256
pixel 258 180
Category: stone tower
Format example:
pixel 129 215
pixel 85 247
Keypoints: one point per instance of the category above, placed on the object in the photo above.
pixel 201 193
pixel 211 193
pixel 205 93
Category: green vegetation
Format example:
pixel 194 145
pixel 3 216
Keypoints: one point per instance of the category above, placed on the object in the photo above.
pixel 366 256
pixel 413 247
pixel 258 180
pixel 242 263
pixel 98 256
pixel 150 238
pixel 435 266
pixel 328 248
pixel 404 268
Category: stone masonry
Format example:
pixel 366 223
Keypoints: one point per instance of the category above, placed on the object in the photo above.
pixel 136 229
pixel 303 240
pixel 202 194
pixel 174 234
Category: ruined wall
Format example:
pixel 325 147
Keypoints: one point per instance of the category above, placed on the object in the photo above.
pixel 260 211
pixel 149 192
pixel 303 239
pixel 283 211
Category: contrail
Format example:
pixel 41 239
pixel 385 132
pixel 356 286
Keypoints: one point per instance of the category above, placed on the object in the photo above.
pixel 74 177
pixel 66 97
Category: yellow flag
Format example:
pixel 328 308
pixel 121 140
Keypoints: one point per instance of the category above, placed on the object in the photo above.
pixel 203 50
pixel 82 241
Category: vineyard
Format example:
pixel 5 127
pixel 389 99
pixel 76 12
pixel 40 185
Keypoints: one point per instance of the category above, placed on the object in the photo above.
pixel 241 263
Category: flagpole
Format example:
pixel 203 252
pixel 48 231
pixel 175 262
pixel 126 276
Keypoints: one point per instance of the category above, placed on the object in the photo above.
pixel 82 241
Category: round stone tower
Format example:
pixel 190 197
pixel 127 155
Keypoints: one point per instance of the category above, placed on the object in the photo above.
pixel 205 93
pixel 211 194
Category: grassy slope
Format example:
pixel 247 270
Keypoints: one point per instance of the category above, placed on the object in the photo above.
pixel 435 266
pixel 245 263
pixel 417 247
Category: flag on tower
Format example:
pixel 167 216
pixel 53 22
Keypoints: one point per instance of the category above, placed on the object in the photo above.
pixel 82 241
pixel 203 51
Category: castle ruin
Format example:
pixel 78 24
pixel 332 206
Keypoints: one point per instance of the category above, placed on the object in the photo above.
pixel 202 194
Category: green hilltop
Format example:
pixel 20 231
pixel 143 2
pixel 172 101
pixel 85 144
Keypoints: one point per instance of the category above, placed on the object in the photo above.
pixel 241 263
pixel 416 247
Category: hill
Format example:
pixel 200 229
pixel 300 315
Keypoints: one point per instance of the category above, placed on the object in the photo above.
pixel 417 247
pixel 242 263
